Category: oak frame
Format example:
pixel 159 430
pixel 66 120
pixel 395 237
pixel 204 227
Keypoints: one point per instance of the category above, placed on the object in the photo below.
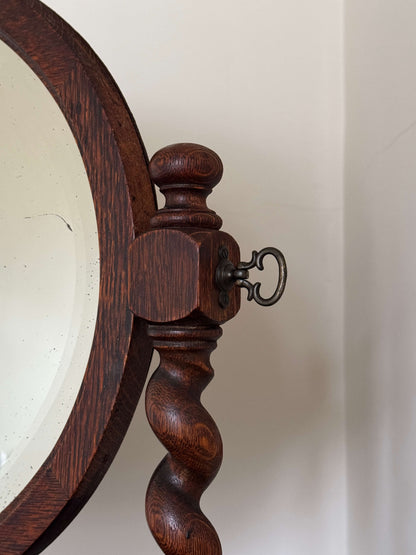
pixel 116 165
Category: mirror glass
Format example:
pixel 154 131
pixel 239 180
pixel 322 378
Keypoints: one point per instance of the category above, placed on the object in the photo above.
pixel 49 273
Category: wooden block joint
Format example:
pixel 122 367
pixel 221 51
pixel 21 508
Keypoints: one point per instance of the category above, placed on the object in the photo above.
pixel 172 275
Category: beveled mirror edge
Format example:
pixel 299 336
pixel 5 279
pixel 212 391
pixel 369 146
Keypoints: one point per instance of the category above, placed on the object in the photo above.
pixel 116 164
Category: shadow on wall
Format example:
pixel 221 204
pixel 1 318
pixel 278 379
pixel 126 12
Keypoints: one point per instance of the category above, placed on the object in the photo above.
pixel 273 409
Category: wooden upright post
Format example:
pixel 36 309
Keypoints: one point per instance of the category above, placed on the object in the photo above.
pixel 175 292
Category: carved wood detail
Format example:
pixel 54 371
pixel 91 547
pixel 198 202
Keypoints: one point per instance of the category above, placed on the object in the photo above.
pixel 176 292
pixel 186 174
pixel 189 434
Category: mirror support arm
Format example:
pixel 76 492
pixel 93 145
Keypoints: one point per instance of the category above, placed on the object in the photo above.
pixel 175 284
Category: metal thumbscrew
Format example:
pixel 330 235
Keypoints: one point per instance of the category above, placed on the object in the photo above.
pixel 227 275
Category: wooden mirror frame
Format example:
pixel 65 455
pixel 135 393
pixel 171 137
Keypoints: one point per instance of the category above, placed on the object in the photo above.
pixel 167 279
pixel 123 196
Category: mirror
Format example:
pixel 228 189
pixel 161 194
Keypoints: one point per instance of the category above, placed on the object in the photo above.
pixel 49 275
pixel 75 190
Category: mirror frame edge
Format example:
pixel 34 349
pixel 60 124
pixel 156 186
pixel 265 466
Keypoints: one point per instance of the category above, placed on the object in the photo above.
pixel 113 153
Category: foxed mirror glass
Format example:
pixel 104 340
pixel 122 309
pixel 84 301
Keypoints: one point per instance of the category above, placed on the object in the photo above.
pixel 49 276
pixel 75 190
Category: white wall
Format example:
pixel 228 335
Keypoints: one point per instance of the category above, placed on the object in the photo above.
pixel 261 83
pixel 380 203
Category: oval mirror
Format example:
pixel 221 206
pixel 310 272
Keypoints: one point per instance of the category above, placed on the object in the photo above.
pixel 74 192
pixel 49 276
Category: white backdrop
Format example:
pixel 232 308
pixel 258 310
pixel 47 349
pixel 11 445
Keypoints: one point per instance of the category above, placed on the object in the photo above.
pixel 262 84
pixel 380 204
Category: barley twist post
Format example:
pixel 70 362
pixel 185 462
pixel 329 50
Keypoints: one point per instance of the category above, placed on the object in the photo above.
pixel 175 292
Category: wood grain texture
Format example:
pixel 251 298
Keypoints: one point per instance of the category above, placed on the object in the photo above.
pixel 179 258
pixel 186 174
pixel 177 275
pixel 189 434
pixel 116 164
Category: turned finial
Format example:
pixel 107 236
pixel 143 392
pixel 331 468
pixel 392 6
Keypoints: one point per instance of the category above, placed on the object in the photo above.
pixel 186 174
pixel 181 280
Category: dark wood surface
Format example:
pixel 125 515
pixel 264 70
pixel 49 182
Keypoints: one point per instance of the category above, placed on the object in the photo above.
pixel 116 165
pixel 186 174
pixel 178 258
pixel 179 297
pixel 188 432
pixel 177 275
